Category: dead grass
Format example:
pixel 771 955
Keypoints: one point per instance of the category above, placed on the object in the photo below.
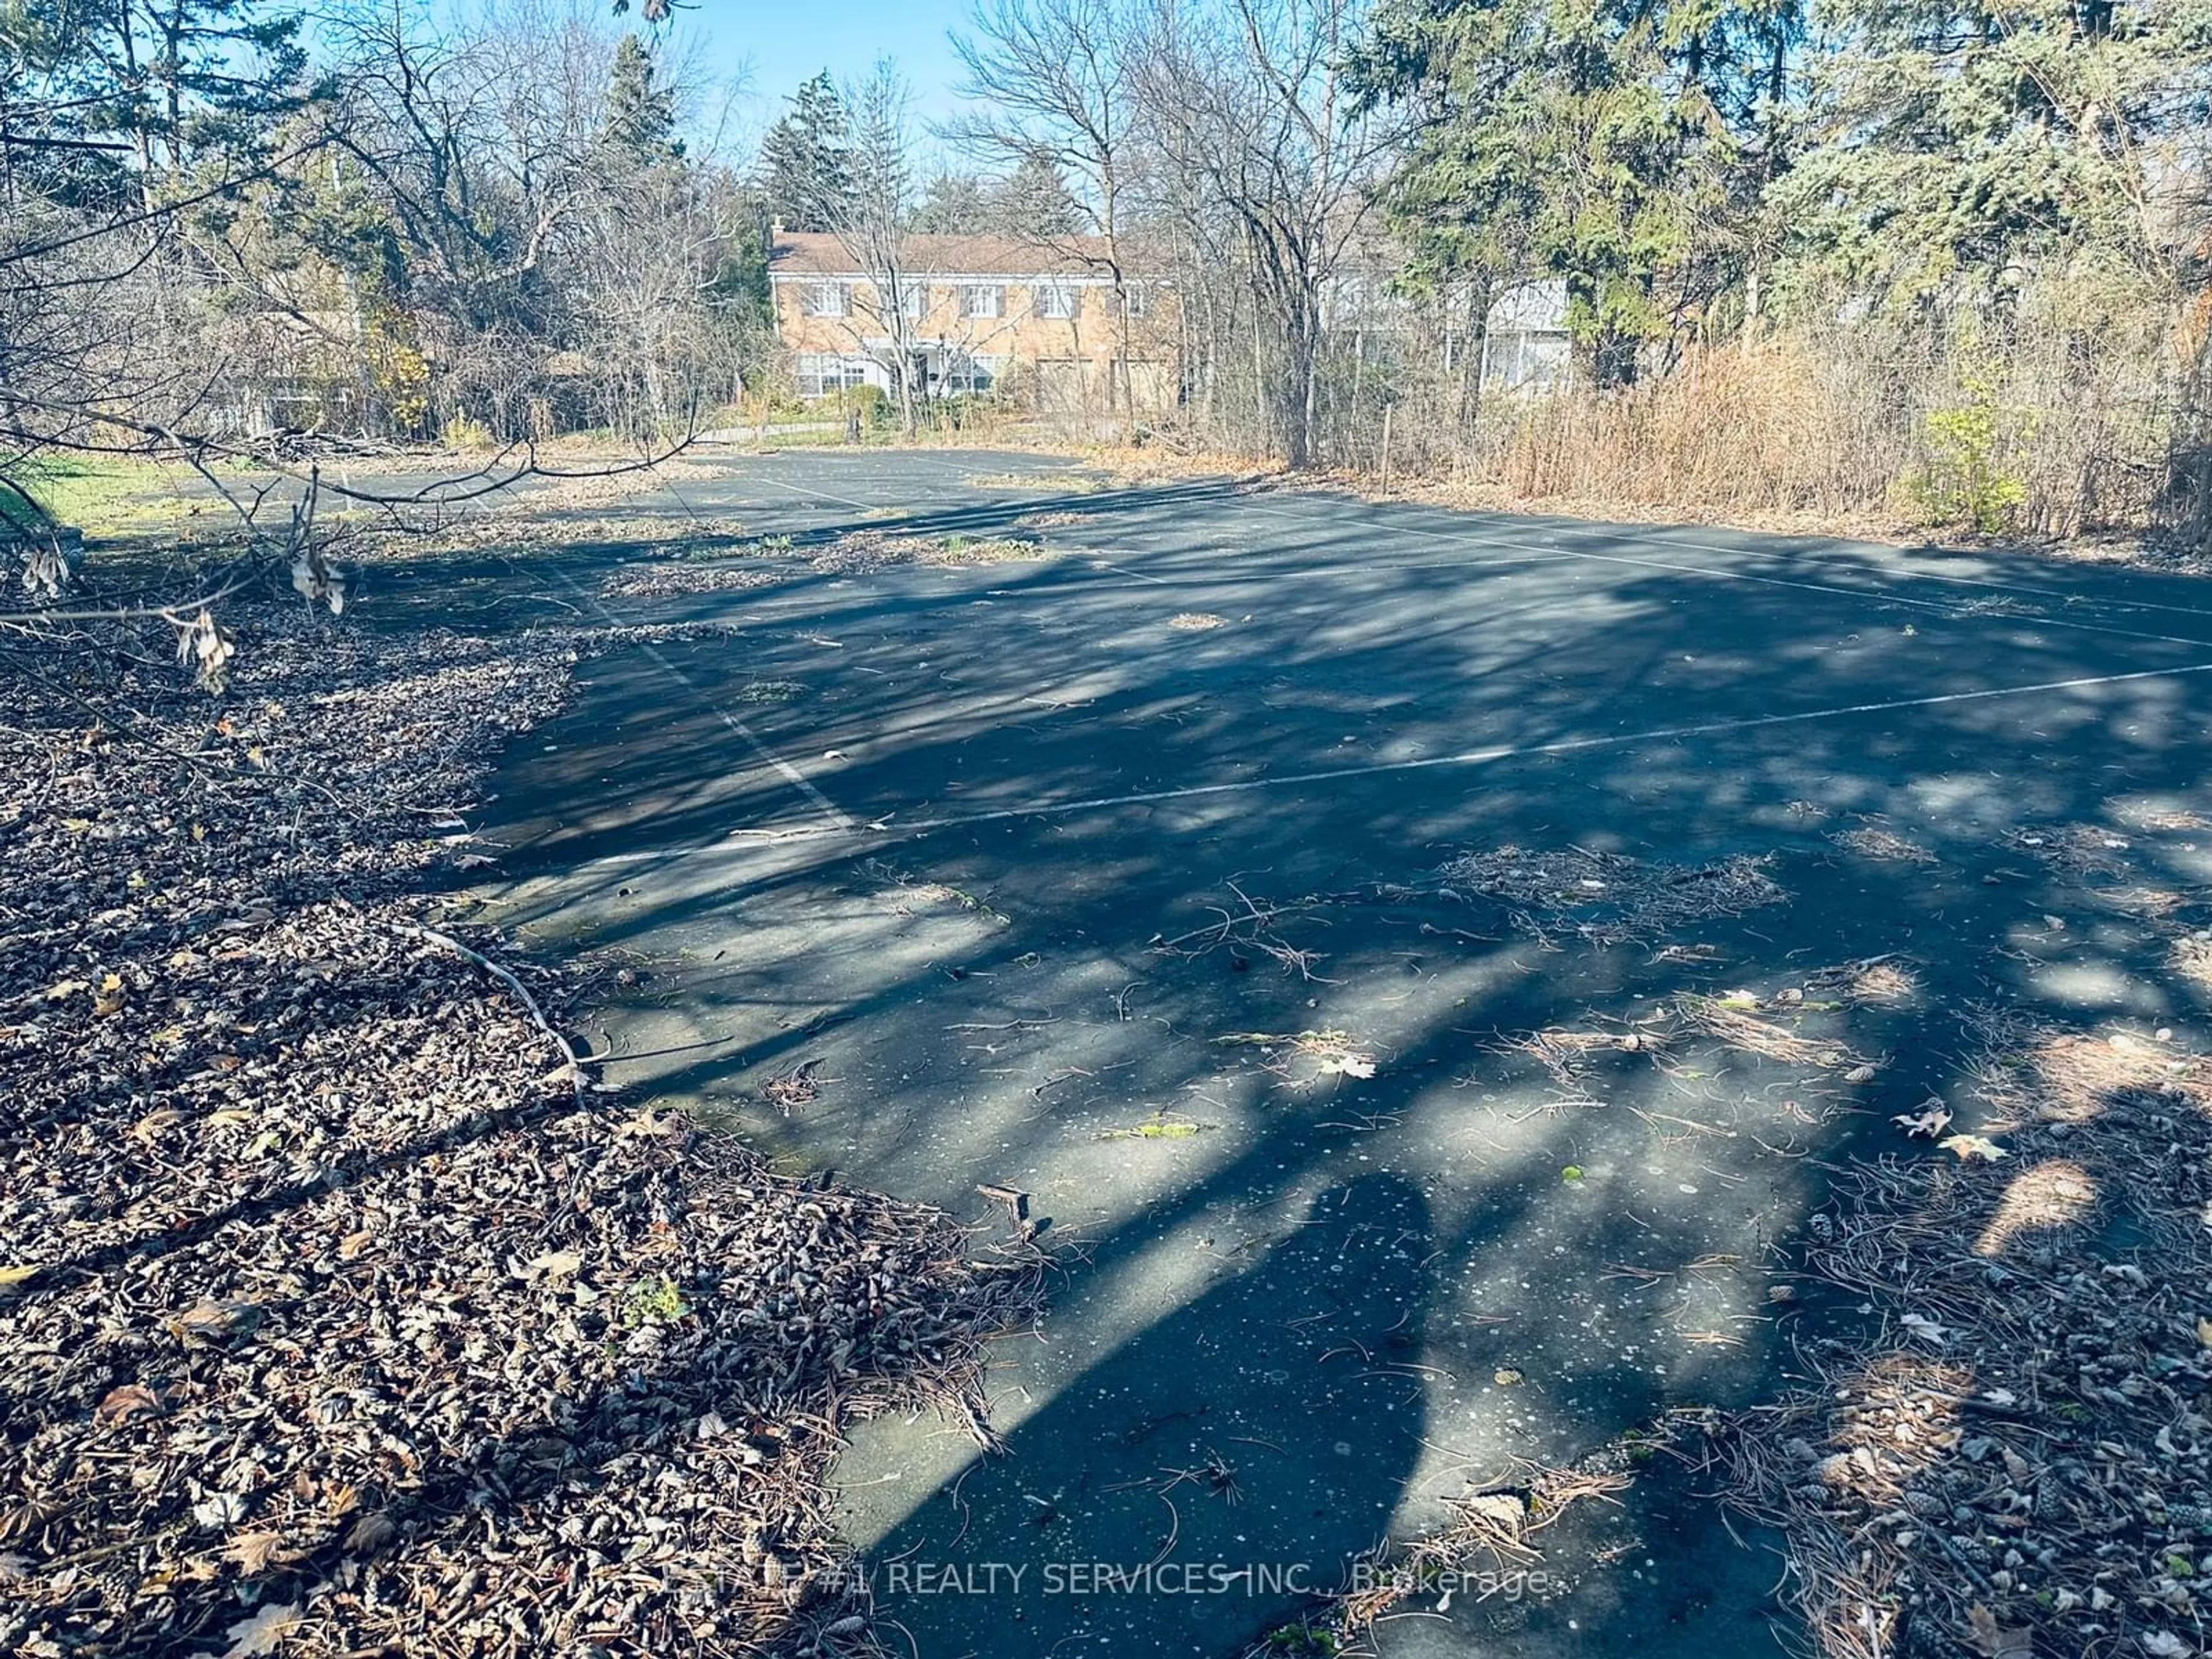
pixel 2071 849
pixel 1765 426
pixel 864 551
pixel 671 578
pixel 2031 1072
pixel 2192 958
pixel 1872 842
pixel 2162 819
pixel 1492 1534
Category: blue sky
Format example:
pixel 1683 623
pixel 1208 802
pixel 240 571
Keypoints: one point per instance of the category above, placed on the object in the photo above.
pixel 779 45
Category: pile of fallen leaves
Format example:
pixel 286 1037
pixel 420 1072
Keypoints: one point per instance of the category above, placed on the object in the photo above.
pixel 1608 899
pixel 864 551
pixel 2019 1460
pixel 339 1311
pixel 668 579
pixel 674 571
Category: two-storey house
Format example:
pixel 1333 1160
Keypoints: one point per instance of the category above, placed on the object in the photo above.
pixel 1046 325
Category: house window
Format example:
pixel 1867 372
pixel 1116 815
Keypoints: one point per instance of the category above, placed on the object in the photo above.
pixel 982 299
pixel 971 373
pixel 820 375
pixel 826 300
pixel 1134 300
pixel 914 299
pixel 1525 360
pixel 1054 300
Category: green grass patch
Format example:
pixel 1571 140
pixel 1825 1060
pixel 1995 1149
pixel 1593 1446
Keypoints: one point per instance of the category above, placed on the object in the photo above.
pixel 116 497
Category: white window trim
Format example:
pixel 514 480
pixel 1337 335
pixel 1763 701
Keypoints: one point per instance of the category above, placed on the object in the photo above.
pixel 971 297
pixel 826 296
pixel 822 374
pixel 1054 302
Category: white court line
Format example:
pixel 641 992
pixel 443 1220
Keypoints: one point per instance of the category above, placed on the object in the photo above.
pixel 884 827
pixel 1134 576
pixel 838 821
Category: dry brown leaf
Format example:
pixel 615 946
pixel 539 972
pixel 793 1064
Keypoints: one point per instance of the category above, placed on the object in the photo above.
pixel 1971 1147
pixel 121 1404
pixel 150 1127
pixel 210 1321
pixel 1996 1641
pixel 262 1632
pixel 252 1552
pixel 370 1534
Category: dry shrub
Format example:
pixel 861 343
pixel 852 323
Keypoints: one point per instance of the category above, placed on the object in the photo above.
pixel 1771 425
pixel 2064 409
pixel 2089 386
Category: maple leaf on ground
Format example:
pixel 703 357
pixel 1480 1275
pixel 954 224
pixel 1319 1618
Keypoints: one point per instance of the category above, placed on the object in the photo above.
pixel 261 1633
pixel 1996 1641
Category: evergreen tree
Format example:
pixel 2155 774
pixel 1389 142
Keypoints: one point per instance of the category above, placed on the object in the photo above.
pixel 1033 204
pixel 1599 140
pixel 806 161
pixel 174 84
pixel 1968 146
pixel 641 115
pixel 954 204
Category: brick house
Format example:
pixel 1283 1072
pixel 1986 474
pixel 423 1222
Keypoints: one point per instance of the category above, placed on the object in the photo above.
pixel 1045 325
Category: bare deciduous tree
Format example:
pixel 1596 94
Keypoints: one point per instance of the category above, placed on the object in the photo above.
pixel 1060 77
pixel 1264 163
pixel 872 225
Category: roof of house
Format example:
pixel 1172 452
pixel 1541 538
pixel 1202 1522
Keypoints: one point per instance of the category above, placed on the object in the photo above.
pixel 818 254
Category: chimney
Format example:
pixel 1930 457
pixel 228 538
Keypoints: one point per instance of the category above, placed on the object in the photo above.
pixel 775 231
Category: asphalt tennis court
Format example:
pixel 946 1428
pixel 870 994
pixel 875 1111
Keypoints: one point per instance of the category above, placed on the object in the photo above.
pixel 1204 878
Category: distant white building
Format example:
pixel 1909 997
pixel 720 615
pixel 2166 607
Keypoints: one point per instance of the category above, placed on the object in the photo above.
pixel 1525 346
pixel 1524 339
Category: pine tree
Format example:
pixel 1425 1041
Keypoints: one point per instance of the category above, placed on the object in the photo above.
pixel 805 159
pixel 953 204
pixel 641 114
pixel 202 78
pixel 1599 140
pixel 1967 147
pixel 174 84
pixel 1033 204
